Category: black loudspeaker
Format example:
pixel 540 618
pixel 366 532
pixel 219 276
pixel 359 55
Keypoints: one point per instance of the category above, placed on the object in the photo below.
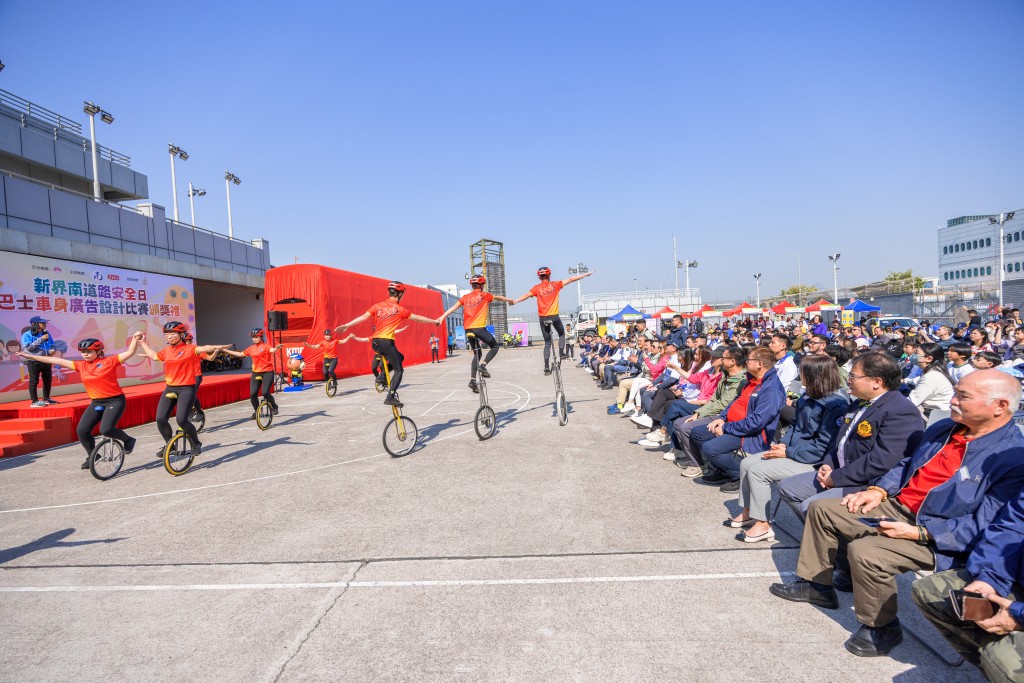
pixel 277 320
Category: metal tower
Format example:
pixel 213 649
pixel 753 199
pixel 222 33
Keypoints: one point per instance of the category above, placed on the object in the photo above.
pixel 487 258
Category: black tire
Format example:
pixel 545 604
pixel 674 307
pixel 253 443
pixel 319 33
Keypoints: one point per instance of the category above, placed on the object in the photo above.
pixel 278 384
pixel 197 418
pixel 178 454
pixel 331 388
pixel 106 459
pixel 236 363
pixel 264 416
pixel 562 408
pixel 218 365
pixel 394 443
pixel 485 423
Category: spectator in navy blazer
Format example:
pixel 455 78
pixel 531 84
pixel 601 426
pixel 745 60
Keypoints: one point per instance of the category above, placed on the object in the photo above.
pixel 879 429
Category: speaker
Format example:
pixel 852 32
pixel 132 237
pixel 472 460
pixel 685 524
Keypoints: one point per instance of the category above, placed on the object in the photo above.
pixel 277 320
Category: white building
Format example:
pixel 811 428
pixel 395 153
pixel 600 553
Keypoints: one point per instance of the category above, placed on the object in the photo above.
pixel 969 250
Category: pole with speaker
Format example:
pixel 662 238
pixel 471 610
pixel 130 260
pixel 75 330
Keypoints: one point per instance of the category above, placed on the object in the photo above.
pixel 277 321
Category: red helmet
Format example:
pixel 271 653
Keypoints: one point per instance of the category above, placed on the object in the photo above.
pixel 175 326
pixel 256 332
pixel 90 345
pixel 477 280
pixel 543 271
pixel 396 287
pixel 188 338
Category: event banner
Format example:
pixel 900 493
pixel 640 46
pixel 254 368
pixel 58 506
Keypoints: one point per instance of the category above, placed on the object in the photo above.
pixel 83 300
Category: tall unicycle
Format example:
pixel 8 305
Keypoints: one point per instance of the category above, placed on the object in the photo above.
pixel 561 406
pixel 485 423
pixel 400 433
pixel 106 459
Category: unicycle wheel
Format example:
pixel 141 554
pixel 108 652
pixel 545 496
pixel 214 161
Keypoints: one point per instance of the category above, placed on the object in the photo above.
pixel 379 387
pixel 485 423
pixel 179 454
pixel 562 408
pixel 197 418
pixel 106 459
pixel 400 435
pixel 264 416
pixel 331 387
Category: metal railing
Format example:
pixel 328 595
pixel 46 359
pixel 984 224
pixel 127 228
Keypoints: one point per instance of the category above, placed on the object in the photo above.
pixel 693 292
pixel 31 115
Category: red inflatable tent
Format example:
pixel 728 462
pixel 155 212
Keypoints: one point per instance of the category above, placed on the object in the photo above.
pixel 317 298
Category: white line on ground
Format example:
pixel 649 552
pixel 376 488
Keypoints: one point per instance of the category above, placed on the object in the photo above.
pixel 397 584
pixel 439 402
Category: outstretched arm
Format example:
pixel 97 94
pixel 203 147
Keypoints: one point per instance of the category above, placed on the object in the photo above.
pixel 49 360
pixel 423 319
pixel 447 313
pixel 313 346
pixel 347 339
pixel 574 278
pixel 341 328
pixel 210 348
pixel 498 297
pixel 524 297
pixel 367 339
pixel 147 351
pixel 232 352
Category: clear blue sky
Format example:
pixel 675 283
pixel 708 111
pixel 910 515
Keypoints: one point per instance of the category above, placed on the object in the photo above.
pixel 385 137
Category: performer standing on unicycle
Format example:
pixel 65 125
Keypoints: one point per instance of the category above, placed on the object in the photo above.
pixel 475 308
pixel 262 378
pixel 387 316
pixel 547 308
pixel 330 347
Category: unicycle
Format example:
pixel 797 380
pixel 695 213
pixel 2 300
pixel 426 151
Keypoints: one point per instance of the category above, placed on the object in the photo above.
pixel 106 459
pixel 400 433
pixel 331 387
pixel 561 407
pixel 485 423
pixel 179 453
pixel 264 415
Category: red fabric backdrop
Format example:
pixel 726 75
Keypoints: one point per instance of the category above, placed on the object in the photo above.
pixel 336 296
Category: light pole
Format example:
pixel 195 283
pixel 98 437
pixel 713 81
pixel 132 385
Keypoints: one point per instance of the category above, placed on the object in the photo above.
pixel 1003 217
pixel 757 281
pixel 579 270
pixel 183 155
pixel 194 192
pixel 92 109
pixel 229 178
pixel 834 258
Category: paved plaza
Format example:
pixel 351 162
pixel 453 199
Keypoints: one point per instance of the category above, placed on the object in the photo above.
pixel 307 553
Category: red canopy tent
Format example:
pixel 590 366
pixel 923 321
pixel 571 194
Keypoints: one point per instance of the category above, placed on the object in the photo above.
pixel 318 298
pixel 780 308
pixel 736 311
pixel 663 312
pixel 816 306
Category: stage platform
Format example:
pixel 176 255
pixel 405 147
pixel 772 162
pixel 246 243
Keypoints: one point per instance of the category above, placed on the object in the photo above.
pixel 24 429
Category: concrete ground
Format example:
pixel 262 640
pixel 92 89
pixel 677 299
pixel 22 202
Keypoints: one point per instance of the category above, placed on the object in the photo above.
pixel 306 553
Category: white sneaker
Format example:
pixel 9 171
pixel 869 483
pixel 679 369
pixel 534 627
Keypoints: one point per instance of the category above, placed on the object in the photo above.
pixel 691 472
pixel 656 435
pixel 647 443
pixel 628 410
pixel 39 404
pixel 642 420
pixel 671 455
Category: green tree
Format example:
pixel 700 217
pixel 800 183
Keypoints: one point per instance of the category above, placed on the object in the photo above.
pixel 903 281
pixel 797 290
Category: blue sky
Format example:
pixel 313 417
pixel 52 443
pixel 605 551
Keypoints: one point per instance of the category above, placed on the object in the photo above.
pixel 386 137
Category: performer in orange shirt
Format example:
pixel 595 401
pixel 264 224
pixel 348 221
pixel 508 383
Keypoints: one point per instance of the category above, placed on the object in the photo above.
pixel 387 316
pixel 178 358
pixel 475 309
pixel 330 347
pixel 547 308
pixel 99 376
pixel 262 355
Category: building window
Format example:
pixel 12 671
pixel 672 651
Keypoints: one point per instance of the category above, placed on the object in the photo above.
pixel 988 271
pixel 944 250
pixel 963 246
pixel 975 244
pixel 988 241
pixel 956 248
pixel 1016 237
pixel 945 276
pixel 977 272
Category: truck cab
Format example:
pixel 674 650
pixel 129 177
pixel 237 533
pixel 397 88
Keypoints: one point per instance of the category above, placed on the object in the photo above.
pixel 585 322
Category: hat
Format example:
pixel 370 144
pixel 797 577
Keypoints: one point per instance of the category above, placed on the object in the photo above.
pixel 38 319
pixel 718 352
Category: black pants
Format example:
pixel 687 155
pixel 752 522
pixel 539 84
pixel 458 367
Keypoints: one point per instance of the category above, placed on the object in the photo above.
pixel 35 371
pixel 477 336
pixel 329 365
pixel 261 386
pixel 434 355
pixel 104 412
pixel 185 397
pixel 556 323
pixel 387 348
pixel 195 402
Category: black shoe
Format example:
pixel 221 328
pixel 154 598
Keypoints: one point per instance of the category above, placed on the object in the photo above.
pixel 547 370
pixel 197 448
pixel 129 445
pixel 473 386
pixel 803 591
pixel 875 641
pixel 842 581
pixel 253 416
pixel 392 400
pixel 713 478
pixel 730 486
pixel 273 409
pixel 482 369
pixel 85 465
pixel 160 453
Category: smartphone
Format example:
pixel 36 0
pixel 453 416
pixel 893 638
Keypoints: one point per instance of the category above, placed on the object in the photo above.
pixel 971 606
pixel 873 521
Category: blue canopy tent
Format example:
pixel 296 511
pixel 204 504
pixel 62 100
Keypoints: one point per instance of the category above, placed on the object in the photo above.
pixel 628 314
pixel 859 306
